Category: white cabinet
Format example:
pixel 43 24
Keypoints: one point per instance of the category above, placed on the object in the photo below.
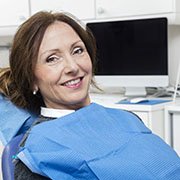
pixel 13 13
pixel 138 9
pixel 120 8
pixel 172 126
pixel 83 9
pixel 115 9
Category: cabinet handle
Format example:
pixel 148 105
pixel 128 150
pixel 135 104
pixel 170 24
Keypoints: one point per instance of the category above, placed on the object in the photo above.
pixel 100 10
pixel 22 18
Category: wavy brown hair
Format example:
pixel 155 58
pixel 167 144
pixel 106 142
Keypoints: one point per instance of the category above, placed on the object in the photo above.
pixel 17 82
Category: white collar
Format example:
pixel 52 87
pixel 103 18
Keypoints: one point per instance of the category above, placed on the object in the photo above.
pixel 54 113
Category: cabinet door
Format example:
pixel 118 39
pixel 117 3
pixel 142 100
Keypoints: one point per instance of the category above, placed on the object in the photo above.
pixel 125 8
pixel 175 132
pixel 13 13
pixel 82 9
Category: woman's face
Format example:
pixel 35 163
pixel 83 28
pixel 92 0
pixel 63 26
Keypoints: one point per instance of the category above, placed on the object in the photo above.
pixel 64 70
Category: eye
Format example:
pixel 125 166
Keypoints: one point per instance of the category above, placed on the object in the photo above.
pixel 78 50
pixel 53 59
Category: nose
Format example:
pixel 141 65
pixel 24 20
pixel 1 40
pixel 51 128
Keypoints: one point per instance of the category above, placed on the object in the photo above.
pixel 71 65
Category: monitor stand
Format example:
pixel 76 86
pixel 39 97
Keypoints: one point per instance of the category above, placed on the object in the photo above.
pixel 135 91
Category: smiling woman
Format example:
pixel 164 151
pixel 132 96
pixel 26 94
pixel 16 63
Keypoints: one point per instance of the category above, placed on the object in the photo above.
pixel 32 60
pixel 63 71
pixel 51 68
pixel 51 64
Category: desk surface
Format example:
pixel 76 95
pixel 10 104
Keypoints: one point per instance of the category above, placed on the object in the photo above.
pixel 110 100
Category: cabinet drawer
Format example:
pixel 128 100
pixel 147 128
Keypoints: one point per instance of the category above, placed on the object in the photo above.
pixel 12 14
pixel 176 132
pixel 125 8
pixel 80 8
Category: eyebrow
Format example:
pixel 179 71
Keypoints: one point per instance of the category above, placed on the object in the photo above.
pixel 55 50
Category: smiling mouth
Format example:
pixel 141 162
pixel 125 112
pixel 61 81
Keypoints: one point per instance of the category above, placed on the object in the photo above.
pixel 73 83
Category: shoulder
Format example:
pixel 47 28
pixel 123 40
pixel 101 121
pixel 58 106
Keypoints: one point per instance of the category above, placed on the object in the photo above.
pixel 128 119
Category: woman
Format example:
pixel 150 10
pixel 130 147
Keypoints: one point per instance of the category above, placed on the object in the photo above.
pixel 51 69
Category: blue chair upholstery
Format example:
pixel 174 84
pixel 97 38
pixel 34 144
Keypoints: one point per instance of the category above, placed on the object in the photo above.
pixel 9 151
pixel 14 120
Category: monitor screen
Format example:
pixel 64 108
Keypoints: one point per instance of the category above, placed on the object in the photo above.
pixel 132 53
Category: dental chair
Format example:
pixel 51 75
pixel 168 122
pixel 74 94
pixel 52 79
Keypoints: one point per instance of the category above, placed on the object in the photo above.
pixel 9 151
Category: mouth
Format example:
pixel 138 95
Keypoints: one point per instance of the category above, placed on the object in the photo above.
pixel 73 83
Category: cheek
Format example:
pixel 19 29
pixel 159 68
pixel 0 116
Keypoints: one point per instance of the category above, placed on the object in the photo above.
pixel 45 75
pixel 40 74
pixel 87 65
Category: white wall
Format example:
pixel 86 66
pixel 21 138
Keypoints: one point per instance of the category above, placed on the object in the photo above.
pixel 4 51
pixel 4 54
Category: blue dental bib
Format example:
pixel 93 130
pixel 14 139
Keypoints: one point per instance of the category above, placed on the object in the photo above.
pixel 98 143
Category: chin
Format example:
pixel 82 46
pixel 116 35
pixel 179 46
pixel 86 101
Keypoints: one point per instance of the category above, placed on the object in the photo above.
pixel 83 100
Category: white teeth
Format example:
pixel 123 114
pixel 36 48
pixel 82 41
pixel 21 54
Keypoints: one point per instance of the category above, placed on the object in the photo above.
pixel 70 83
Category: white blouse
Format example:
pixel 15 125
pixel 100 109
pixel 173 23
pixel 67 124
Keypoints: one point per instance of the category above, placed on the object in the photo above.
pixel 54 113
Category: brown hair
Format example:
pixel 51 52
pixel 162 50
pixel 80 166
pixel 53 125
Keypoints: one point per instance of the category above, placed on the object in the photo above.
pixel 17 82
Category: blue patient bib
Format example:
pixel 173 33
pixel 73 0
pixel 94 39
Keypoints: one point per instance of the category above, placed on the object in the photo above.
pixel 98 143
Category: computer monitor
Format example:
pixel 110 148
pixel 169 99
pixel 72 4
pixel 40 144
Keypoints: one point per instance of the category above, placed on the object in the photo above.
pixel 132 54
